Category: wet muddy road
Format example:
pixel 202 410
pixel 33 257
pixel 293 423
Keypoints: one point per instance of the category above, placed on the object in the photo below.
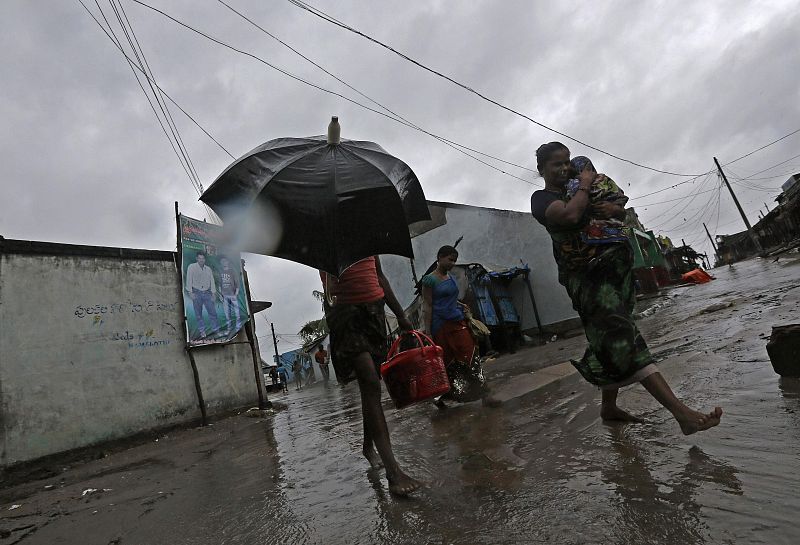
pixel 548 470
pixel 543 470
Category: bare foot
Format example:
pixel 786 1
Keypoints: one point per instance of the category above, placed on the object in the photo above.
pixel 618 415
pixel 694 421
pixel 401 484
pixel 372 457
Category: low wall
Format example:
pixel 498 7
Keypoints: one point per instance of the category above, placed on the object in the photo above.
pixel 92 349
pixel 492 237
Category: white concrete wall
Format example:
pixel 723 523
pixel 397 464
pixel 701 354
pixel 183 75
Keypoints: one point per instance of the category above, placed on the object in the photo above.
pixel 492 238
pixel 92 349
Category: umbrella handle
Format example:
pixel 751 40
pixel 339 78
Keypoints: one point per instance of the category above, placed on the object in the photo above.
pixel 329 299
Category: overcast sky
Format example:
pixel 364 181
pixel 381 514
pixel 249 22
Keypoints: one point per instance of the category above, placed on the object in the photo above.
pixel 665 84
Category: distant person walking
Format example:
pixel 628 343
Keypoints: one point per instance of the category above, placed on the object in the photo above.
pixel 297 369
pixel 283 375
pixel 321 357
pixel 446 321
pixel 357 323
pixel 599 280
pixel 202 290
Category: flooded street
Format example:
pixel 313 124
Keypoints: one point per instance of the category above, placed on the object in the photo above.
pixel 549 471
pixel 542 470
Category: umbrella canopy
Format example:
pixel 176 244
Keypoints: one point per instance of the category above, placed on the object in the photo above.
pixel 335 204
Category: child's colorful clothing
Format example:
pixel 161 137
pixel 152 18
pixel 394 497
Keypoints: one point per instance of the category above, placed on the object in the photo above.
pixel 599 231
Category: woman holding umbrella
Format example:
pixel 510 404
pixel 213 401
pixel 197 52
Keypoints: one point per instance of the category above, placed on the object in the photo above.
pixel 331 204
pixel 446 322
pixel 354 311
pixel 599 281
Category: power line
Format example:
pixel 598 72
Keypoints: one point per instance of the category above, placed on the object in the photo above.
pixel 690 195
pixel 151 79
pixel 719 207
pixel 740 178
pixel 320 88
pixel 393 116
pixel 790 173
pixel 679 212
pixel 750 184
pixel 159 94
pixel 330 19
pixel 113 37
pixel 144 65
pixel 763 147
pixel 737 220
pixel 161 89
pixel 157 90
pixel 673 186
pixel 716 200
pixel 343 82
pixel 694 221
pixel 324 16
pixel 771 167
pixel 753 188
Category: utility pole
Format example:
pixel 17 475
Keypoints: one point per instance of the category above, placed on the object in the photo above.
pixel 713 244
pixel 767 207
pixel 275 342
pixel 735 200
pixel 752 234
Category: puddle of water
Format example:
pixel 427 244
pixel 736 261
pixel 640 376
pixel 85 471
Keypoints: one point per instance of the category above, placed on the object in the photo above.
pixel 548 471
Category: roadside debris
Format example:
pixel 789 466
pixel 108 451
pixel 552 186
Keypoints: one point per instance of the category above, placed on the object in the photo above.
pixel 717 306
pixel 697 276
pixel 89 491
pixel 784 350
pixel 255 412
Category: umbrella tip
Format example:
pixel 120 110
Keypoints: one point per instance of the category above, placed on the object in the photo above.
pixel 334 131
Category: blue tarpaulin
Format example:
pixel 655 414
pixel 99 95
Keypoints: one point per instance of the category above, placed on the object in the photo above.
pixel 286 360
pixel 491 293
pixel 509 274
pixel 500 290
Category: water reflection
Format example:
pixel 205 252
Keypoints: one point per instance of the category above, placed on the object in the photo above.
pixel 789 387
pixel 478 441
pixel 656 509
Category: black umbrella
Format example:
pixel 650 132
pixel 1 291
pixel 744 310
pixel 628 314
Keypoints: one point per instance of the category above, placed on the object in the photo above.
pixel 329 204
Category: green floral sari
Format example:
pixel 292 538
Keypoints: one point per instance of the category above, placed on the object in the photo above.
pixel 599 280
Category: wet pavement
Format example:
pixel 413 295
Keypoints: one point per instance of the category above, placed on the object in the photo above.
pixel 544 469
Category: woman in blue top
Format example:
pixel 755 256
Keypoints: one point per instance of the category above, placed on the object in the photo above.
pixel 446 323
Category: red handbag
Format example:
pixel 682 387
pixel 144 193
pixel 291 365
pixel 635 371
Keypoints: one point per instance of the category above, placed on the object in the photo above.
pixel 416 374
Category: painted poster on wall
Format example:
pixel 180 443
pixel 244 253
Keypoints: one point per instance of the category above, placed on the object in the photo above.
pixel 214 297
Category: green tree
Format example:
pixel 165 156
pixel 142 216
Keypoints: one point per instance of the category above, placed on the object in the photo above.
pixel 319 296
pixel 314 329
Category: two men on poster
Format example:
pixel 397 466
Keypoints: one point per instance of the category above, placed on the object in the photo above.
pixel 210 276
